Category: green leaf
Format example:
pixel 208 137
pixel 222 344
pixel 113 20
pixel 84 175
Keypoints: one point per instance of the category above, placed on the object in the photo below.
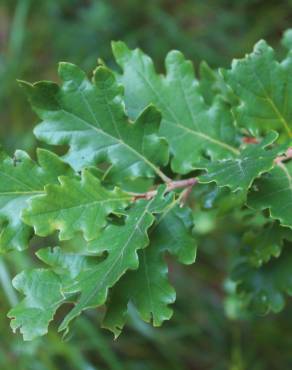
pixel 121 244
pixel 74 205
pixel 85 278
pixel 192 129
pixel 67 265
pixel 261 244
pixel 239 173
pixel 208 82
pixel 264 88
pixel 287 39
pixel 212 84
pixel 263 289
pixel 148 287
pixel 42 289
pixel 20 180
pixel 90 118
pixel 274 191
pixel 118 242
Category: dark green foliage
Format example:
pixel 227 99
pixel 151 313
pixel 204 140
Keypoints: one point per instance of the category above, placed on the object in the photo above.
pixel 120 249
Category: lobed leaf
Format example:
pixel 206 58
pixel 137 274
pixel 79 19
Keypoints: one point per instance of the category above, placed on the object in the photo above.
pixel 86 279
pixel 192 128
pixel 240 172
pixel 260 245
pixel 21 179
pixel 264 87
pixel 274 191
pixel 74 205
pixel 263 289
pixel 42 290
pixel 90 118
pixel 128 235
pixel 148 287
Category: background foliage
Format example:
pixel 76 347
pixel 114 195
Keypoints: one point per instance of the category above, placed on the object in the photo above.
pixel 209 329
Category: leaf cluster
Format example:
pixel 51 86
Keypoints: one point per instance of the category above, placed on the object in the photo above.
pixel 138 143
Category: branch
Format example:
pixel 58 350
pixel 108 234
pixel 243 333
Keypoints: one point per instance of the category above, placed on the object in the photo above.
pixel 171 185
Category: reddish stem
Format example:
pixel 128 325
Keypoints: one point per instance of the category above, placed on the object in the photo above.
pixel 189 183
pixel 172 185
pixel 249 140
pixel 285 157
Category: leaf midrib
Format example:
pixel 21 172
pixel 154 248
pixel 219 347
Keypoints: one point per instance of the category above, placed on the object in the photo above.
pixel 100 130
pixel 101 282
pixel 22 192
pixel 15 179
pixel 144 259
pixel 267 98
pixel 85 205
pixel 204 136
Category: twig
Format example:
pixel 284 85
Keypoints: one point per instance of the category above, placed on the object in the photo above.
pixel 285 157
pixel 171 185
pixel 185 195
pixel 189 183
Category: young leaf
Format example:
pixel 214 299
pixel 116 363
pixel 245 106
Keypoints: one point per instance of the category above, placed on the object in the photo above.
pixel 264 88
pixel 239 173
pixel 74 205
pixel 20 180
pixel 148 287
pixel 90 119
pixel 191 127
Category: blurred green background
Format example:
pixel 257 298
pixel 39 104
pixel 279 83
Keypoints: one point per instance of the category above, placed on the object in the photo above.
pixel 208 330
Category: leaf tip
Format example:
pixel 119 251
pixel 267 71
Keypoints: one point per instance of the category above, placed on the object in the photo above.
pixel 71 72
pixel 120 51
